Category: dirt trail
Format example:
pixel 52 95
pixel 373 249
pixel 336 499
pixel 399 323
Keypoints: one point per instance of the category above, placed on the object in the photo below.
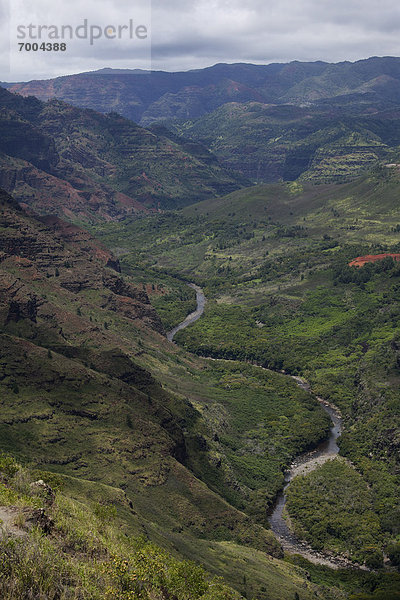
pixel 8 514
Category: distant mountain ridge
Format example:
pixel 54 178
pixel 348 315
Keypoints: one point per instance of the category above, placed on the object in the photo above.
pixel 322 122
pixel 86 166
pixel 146 97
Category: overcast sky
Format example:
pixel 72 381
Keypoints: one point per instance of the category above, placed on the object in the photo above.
pixel 184 34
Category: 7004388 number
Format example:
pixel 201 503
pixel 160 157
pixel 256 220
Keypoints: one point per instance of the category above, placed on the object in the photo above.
pixel 45 47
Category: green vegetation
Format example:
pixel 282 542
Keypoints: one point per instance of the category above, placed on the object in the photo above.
pixel 260 420
pixel 229 244
pixel 314 120
pixel 173 305
pixel 138 429
pixel 344 339
pixel 358 584
pixel 172 299
pixel 163 459
pixel 84 539
pixel 92 168
pixel 71 549
pixel 318 143
pixel 333 508
pixel 273 261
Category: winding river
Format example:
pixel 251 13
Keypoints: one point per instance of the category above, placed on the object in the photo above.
pixel 201 302
pixel 303 464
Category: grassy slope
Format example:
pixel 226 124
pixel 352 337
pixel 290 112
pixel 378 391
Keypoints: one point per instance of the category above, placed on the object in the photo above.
pixel 90 543
pixel 274 259
pixel 99 546
pixel 224 241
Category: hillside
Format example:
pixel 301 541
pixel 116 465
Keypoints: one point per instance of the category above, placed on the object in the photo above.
pixel 87 372
pixel 322 144
pixel 274 263
pixel 136 467
pixel 222 243
pixel 89 167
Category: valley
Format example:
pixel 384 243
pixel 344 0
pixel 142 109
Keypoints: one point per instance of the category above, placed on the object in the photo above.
pixel 305 463
pixel 200 334
pixel 150 451
pixel 281 295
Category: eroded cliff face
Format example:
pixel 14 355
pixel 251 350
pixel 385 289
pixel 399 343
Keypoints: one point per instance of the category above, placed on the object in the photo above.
pixel 89 167
pixel 38 253
pixel 63 305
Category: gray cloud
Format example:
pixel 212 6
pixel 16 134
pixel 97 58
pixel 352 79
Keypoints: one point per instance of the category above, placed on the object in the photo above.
pixel 187 35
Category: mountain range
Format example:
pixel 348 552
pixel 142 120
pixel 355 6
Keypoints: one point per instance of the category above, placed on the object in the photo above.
pixel 146 97
pixel 315 121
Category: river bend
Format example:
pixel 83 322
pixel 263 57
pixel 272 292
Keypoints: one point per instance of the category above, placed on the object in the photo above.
pixel 305 463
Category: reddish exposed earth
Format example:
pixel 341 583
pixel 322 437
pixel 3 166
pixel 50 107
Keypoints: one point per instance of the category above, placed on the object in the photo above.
pixel 360 261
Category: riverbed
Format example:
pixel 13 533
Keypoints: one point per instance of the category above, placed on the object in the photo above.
pixel 303 464
pixel 194 316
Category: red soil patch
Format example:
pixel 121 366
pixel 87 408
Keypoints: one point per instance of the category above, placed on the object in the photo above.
pixel 360 261
pixel 156 292
pixel 129 202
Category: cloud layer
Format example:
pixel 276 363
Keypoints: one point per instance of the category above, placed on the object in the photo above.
pixel 187 35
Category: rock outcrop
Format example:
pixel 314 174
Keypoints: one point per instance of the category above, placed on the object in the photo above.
pixel 60 255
